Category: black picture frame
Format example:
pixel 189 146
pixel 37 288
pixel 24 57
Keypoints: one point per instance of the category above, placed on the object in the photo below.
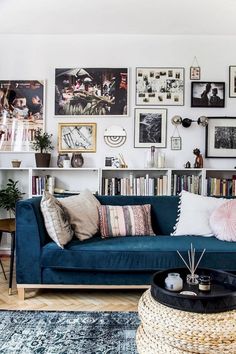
pixel 208 94
pixel 220 138
pixel 232 81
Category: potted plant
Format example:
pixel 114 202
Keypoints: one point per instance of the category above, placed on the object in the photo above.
pixel 9 196
pixel 42 143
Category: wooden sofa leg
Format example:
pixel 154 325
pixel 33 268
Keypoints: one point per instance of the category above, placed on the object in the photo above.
pixel 21 294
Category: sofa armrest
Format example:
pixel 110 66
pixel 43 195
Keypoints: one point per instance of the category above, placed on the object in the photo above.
pixel 31 235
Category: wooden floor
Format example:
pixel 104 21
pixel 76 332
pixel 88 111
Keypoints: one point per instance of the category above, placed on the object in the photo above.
pixel 67 300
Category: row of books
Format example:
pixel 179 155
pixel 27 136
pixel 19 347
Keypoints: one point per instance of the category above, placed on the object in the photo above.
pixel 222 187
pixel 135 185
pixel 41 183
pixel 189 183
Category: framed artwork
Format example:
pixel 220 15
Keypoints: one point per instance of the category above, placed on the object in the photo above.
pixel 176 143
pixel 160 86
pixel 77 137
pixel 150 127
pixel 195 73
pixel 221 137
pixel 232 81
pixel 21 113
pixel 208 94
pixel 91 91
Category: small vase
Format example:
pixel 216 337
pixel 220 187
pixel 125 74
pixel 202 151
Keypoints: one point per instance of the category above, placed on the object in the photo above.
pixel 77 160
pixel 61 158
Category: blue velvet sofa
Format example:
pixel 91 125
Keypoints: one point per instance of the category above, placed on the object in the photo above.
pixel 122 261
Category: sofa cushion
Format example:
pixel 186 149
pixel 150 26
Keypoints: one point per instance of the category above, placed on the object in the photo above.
pixel 133 220
pixel 223 221
pixel 142 253
pixel 83 214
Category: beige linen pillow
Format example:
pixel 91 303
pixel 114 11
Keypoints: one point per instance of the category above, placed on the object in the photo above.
pixel 83 214
pixel 56 220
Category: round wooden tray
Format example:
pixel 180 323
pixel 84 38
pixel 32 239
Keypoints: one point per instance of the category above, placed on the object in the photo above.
pixel 222 296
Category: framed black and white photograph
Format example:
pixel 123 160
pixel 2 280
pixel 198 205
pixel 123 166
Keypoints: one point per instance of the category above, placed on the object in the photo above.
pixel 77 137
pixel 221 137
pixel 160 86
pixel 150 127
pixel 232 81
pixel 208 94
pixel 176 143
pixel 195 73
pixel 91 91
pixel 22 112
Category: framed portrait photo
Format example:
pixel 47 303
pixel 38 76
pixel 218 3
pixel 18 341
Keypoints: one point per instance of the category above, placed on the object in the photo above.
pixel 150 127
pixel 176 143
pixel 160 86
pixel 208 94
pixel 221 137
pixel 195 73
pixel 232 81
pixel 22 112
pixel 77 137
pixel 91 91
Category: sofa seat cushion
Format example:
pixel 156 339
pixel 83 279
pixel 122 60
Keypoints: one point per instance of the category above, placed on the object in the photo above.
pixel 143 253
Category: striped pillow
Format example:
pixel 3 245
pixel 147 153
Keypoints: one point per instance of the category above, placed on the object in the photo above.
pixel 128 220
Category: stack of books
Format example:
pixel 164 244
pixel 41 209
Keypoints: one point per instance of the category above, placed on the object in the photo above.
pixel 189 183
pixel 221 187
pixel 41 183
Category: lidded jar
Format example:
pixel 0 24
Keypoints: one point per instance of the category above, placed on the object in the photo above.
pixel 173 282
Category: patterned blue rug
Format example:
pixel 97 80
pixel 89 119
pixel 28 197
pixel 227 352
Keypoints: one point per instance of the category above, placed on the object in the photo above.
pixel 43 332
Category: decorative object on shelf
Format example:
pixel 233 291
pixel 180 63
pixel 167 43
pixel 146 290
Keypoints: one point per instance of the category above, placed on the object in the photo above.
pixel 9 196
pixel 77 137
pixel 208 94
pixel 221 137
pixel 21 110
pixel 77 160
pixel 67 162
pixel 186 122
pixel 204 283
pixel 150 127
pixel 195 70
pixel 16 163
pixel 232 81
pixel 42 143
pixel 61 158
pixel 192 278
pixel 174 282
pixel 112 162
pixel 160 86
pixel 115 136
pixel 123 164
pixel 151 159
pixel 188 164
pixel 199 159
pixel 160 160
pixel 91 91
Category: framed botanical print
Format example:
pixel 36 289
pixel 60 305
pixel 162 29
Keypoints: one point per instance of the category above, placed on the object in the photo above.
pixel 221 137
pixel 160 86
pixel 208 94
pixel 150 127
pixel 176 143
pixel 77 137
pixel 232 81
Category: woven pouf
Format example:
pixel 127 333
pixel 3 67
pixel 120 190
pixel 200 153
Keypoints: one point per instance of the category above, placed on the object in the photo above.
pixel 164 330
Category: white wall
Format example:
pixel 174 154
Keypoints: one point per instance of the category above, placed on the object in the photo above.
pixel 36 57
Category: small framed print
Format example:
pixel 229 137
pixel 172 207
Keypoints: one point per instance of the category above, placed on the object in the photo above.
pixel 195 73
pixel 176 143
pixel 208 94
pixel 232 81
pixel 150 127
pixel 221 137
pixel 77 137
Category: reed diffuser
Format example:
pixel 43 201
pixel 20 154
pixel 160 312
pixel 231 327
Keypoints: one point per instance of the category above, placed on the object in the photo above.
pixel 192 278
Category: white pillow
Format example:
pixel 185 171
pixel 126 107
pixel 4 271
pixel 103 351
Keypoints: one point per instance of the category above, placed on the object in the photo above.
pixel 194 214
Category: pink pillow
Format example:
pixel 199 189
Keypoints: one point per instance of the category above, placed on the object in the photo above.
pixel 223 221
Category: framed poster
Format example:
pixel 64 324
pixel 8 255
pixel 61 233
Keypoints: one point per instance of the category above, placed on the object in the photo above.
pixel 160 86
pixel 150 127
pixel 91 91
pixel 221 137
pixel 208 94
pixel 232 81
pixel 77 137
pixel 21 113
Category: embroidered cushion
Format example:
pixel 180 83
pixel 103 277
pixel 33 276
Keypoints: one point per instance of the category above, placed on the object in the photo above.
pixel 56 220
pixel 194 214
pixel 128 220
pixel 223 221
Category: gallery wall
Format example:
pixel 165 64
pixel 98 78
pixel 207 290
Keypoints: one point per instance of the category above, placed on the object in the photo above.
pixel 36 57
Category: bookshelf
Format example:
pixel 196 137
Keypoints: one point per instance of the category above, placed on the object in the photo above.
pixel 189 179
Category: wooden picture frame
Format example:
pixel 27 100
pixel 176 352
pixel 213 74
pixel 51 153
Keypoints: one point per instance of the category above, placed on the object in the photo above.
pixel 232 81
pixel 77 137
